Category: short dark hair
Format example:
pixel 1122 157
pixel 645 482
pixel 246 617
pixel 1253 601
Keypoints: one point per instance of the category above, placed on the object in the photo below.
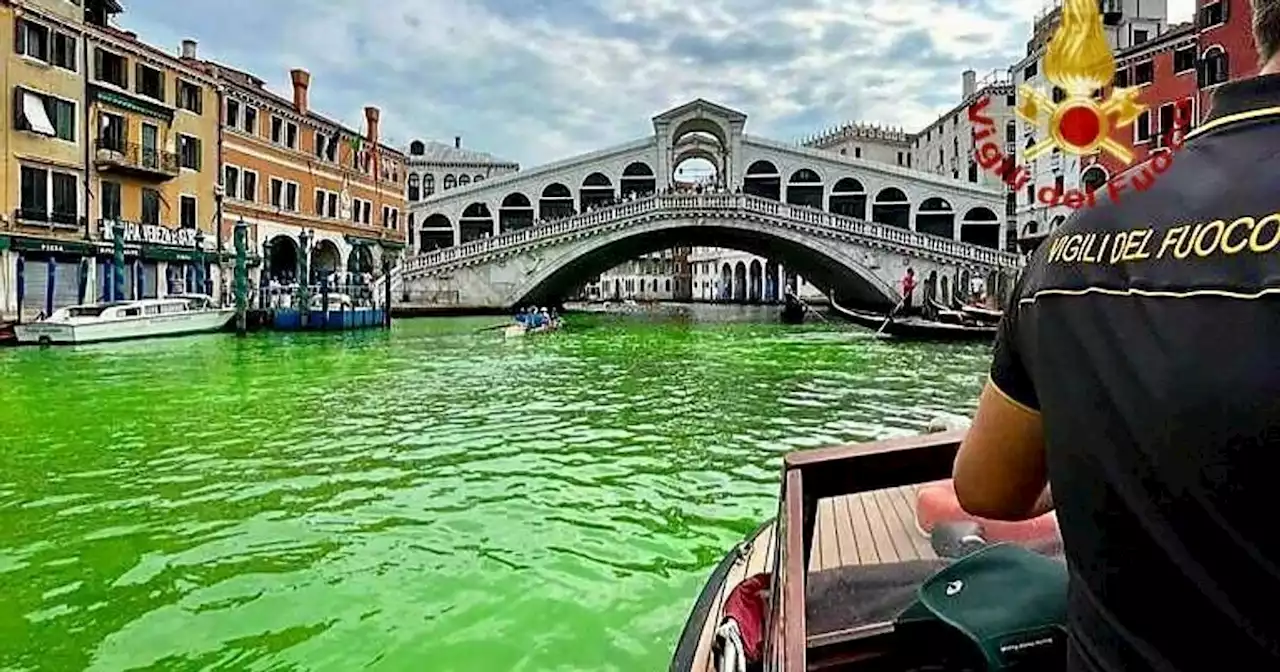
pixel 1266 27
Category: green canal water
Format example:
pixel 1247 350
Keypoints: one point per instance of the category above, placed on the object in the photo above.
pixel 428 498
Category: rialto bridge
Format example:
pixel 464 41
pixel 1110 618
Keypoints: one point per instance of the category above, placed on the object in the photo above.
pixel 852 225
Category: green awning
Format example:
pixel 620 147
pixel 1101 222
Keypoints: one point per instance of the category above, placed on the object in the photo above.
pixel 361 240
pixel 127 102
pixel 4 243
pixel 392 245
pixel 51 245
pixel 163 253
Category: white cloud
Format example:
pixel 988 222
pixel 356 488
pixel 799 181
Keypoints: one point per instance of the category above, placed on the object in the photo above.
pixel 536 80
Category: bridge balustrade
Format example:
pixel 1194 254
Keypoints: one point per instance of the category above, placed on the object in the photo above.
pixel 755 204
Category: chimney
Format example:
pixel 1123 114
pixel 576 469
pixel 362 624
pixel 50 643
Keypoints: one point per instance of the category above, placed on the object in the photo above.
pixel 970 84
pixel 189 49
pixel 371 115
pixel 301 81
pixel 457 142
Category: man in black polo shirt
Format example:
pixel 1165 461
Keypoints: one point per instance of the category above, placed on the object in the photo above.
pixel 1138 370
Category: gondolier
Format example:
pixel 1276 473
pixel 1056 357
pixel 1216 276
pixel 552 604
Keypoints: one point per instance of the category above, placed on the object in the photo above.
pixel 1135 369
pixel 908 290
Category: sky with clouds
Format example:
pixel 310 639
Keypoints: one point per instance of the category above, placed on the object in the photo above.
pixel 538 80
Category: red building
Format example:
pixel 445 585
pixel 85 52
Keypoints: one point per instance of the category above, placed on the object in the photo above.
pixel 1227 51
pixel 1165 70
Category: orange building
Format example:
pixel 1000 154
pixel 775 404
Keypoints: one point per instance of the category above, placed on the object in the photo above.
pixel 299 179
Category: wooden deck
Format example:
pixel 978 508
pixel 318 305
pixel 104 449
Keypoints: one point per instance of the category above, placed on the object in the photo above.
pixel 863 529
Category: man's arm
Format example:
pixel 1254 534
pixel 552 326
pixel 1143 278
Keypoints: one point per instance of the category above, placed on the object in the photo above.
pixel 1000 471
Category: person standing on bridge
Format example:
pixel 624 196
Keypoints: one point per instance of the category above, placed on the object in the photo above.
pixel 1144 385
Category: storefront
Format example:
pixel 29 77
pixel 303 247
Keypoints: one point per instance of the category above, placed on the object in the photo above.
pixel 49 274
pixel 159 261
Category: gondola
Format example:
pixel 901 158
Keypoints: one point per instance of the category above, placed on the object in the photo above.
pixel 793 309
pixel 844 578
pixel 983 315
pixel 946 314
pixel 913 328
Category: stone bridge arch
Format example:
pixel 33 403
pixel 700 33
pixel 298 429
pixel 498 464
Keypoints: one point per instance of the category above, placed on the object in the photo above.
pixel 826 263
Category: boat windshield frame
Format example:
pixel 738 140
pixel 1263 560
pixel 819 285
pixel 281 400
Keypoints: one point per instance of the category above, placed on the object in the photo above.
pixel 811 475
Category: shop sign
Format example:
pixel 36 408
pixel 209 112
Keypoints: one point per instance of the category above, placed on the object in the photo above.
pixel 151 234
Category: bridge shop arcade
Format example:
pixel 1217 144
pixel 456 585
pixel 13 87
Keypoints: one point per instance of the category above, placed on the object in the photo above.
pixel 40 275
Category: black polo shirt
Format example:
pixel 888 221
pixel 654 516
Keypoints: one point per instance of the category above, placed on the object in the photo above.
pixel 1146 331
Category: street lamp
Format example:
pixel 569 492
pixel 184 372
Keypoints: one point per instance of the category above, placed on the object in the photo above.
pixel 202 274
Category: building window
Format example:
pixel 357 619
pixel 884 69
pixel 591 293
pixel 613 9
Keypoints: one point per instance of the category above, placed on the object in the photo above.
pixel 1214 68
pixel 355 210
pixel 428 185
pixel 250 120
pixel 857 152
pixel 321 142
pixel 150 206
pixel 32 39
pixel 277 192
pixel 367 216
pixel 1142 127
pixel 291 196
pixel 190 97
pixel 1140 36
pixel 187 212
pixel 415 191
pixel 900 159
pixel 450 182
pixel 1185 115
pixel 333 204
pixel 231 115
pixel 45 115
pixel 110 68
pixel 291 135
pixel 64 51
pixel 1184 59
pixel 1122 78
pixel 1143 73
pixel 112 133
pixel 231 181
pixel 1029 72
pixel 110 200
pixel 189 152
pixel 277 130
pixel 150 82
pixel 48 196
pixel 249 191
pixel 1213 14
pixel 320 201
pixel 1166 118
pixel 973 172
pixel 464 180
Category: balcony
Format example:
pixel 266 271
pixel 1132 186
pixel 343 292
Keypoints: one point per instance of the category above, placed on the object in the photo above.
pixel 133 159
pixel 43 217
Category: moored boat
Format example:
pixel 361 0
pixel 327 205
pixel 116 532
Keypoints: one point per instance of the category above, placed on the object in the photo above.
pixel 847 583
pixel 981 314
pixel 916 328
pixel 123 320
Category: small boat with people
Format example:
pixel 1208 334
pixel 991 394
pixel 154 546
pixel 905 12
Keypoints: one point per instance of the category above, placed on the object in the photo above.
pixel 534 320
pixel 176 315
pixel 870 565
pixel 916 328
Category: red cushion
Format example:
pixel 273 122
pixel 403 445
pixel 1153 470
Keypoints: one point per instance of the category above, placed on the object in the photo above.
pixel 937 503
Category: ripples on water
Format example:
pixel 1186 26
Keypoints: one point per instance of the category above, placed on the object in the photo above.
pixel 429 498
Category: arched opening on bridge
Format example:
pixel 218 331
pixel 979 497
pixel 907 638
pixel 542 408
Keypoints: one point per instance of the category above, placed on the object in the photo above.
pixel 282 258
pixel 695 171
pixel 755 282
pixel 936 217
pixel 360 260
pixel 771 281
pixel 848 198
pixel 326 259
pixel 596 191
pixel 740 281
pixel 892 207
pixel 944 296
pixel 556 202
pixel 931 286
pixel 981 226
pixel 477 178
pixel 705 129
pixel 964 286
pixel 726 282
pixel 464 180
pixel 763 179
pixel 515 213
pixel 637 180
pixel 436 233
pixel 428 185
pixel 475 223
pixel 804 187
pixel 449 182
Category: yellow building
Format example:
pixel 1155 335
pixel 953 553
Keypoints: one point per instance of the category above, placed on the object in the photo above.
pixel 106 130
pixel 153 158
pixel 43 223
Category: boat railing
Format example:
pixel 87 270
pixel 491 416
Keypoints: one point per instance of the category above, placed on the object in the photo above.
pixel 292 296
pixel 812 475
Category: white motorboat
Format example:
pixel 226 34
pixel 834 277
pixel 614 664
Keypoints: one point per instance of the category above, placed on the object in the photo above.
pixel 145 318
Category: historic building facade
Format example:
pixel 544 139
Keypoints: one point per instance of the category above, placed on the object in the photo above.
pixel 436 166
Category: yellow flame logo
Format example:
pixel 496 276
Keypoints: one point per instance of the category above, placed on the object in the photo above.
pixel 1079 62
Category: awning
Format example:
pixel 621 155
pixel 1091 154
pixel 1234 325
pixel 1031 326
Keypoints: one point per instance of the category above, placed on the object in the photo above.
pixel 53 246
pixel 361 240
pixel 4 243
pixel 35 114
pixel 165 253
pixel 131 104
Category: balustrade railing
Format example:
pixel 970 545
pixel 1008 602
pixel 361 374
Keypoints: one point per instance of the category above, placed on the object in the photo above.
pixel 710 203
